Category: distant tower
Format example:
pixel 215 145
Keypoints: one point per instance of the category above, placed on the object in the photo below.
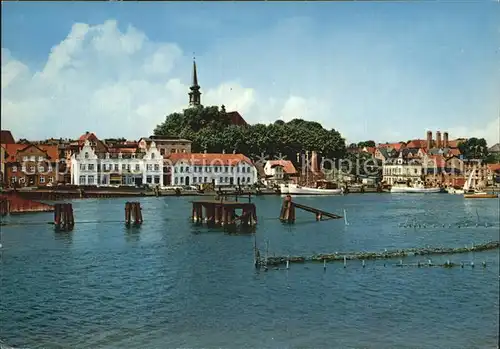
pixel 195 94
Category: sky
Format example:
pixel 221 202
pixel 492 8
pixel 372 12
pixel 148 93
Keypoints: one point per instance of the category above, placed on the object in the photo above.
pixel 383 71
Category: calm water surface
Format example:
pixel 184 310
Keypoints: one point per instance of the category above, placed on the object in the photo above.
pixel 169 284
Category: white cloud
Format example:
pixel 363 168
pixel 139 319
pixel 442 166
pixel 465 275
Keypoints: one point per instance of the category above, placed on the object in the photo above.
pixel 103 80
pixel 121 83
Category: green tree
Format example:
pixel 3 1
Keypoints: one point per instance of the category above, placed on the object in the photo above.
pixel 474 148
pixel 366 144
pixel 210 129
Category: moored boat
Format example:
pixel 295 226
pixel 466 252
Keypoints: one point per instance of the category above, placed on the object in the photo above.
pixel 472 191
pixel 296 189
pixel 402 187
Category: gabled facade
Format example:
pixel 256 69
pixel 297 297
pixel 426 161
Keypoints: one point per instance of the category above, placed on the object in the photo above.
pixel 90 167
pixel 30 165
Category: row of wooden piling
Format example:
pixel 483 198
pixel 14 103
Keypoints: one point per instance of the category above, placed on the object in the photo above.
pixel 64 218
pixel 224 213
pixel 335 257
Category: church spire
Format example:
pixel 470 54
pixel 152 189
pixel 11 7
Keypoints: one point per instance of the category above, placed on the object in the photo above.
pixel 195 94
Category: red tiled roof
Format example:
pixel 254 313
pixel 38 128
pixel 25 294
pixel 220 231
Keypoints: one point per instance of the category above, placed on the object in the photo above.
pixel 453 143
pixel 236 118
pixel 121 150
pixel 286 164
pixel 494 167
pixel 370 150
pixel 417 143
pixel 6 137
pixel 454 152
pixel 12 150
pixel 209 158
pixel 396 146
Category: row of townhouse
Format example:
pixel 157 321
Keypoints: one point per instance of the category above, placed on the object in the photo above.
pixel 153 161
pixel 158 165
pixel 436 170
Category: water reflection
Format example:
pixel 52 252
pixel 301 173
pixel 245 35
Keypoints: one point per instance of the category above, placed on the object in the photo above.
pixel 64 236
pixel 133 234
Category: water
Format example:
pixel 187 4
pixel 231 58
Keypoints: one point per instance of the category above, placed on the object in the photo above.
pixel 170 285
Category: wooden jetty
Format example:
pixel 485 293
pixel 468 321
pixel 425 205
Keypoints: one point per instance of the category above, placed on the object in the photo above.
pixel 224 213
pixel 133 213
pixel 287 214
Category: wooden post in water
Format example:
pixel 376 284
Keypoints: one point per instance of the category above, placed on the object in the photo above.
pixel 287 214
pixel 4 206
pixel 133 213
pixel 63 217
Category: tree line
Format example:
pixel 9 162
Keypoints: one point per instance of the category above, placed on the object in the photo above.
pixel 210 129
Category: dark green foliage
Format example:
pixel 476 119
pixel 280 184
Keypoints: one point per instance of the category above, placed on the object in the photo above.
pixel 210 129
pixel 474 148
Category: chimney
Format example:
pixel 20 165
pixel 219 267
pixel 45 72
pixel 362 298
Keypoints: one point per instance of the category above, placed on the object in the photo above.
pixel 445 140
pixel 438 139
pixel 314 162
pixel 429 140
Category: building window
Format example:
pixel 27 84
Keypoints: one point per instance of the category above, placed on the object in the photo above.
pixel 205 179
pixel 13 179
pixel 33 158
pixel 157 179
pixel 32 169
pixel 152 155
pixel 182 169
pixel 248 179
pixel 91 180
pixel 86 155
pixel 182 180
pixel 175 169
pixel 82 180
pixel 14 168
pixel 51 179
pixel 194 179
pixel 82 167
pixel 137 167
pixel 243 169
pixel 172 150
pixel 124 167
pixel 157 167
pixel 149 167
pixel 176 180
pixel 25 158
pixel 148 179
pixel 116 168
pixel 187 169
pixel 195 169
pixel 41 169
pixel 40 158
pixel 42 179
pixel 91 167
pixel 221 179
pixel 199 179
pixel 23 168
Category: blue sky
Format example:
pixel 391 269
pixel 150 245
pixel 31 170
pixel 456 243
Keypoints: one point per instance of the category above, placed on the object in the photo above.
pixel 383 71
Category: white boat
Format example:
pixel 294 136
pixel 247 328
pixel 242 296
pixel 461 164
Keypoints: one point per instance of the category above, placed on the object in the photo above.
pixel 417 188
pixel 473 190
pixel 296 189
pixel 452 190
pixel 284 188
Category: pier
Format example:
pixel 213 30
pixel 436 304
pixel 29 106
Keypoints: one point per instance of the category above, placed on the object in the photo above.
pixel 221 213
pixel 287 214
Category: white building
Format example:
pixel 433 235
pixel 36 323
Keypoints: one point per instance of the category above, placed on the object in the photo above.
pixel 278 171
pixel 400 169
pixel 104 169
pixel 217 169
